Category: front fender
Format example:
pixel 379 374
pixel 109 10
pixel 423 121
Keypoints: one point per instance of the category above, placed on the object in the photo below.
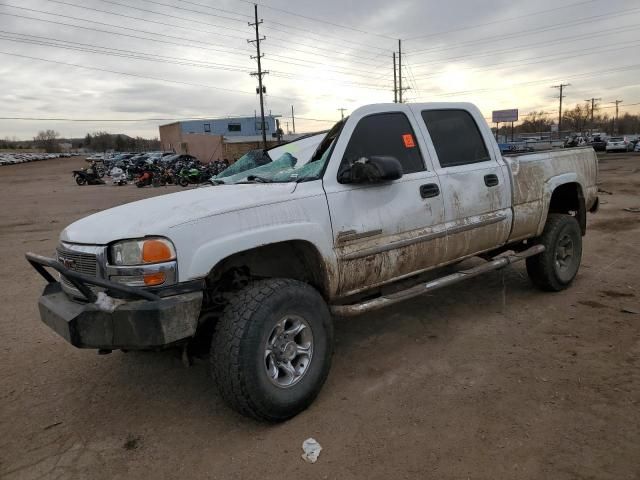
pixel 204 243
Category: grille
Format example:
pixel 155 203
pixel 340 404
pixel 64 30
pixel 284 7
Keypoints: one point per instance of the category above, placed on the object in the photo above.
pixel 86 263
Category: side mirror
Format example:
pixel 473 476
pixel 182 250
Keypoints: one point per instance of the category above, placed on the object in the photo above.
pixel 374 169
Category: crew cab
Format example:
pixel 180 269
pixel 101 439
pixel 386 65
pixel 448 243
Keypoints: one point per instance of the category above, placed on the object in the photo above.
pixel 266 259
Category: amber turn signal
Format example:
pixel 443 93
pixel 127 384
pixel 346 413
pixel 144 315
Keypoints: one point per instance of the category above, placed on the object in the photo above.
pixel 151 279
pixel 154 251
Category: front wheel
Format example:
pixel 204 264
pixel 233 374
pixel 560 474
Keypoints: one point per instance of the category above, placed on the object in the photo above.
pixel 183 182
pixel 271 350
pixel 556 268
pixel 80 180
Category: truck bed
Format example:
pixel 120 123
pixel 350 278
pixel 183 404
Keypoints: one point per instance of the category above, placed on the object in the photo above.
pixel 534 176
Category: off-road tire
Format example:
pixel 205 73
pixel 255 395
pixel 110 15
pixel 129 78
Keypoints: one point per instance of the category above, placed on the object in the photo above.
pixel 544 270
pixel 183 182
pixel 237 348
pixel 80 180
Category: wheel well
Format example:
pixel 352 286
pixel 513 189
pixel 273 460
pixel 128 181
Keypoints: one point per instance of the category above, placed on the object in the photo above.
pixel 297 259
pixel 568 198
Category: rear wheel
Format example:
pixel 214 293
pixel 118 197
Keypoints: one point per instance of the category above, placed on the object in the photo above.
pixel 183 182
pixel 271 350
pixel 556 267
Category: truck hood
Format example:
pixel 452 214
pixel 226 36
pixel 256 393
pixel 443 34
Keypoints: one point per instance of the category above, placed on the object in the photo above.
pixel 157 215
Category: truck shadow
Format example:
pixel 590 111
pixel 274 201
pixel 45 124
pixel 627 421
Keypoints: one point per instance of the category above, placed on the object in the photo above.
pixel 161 382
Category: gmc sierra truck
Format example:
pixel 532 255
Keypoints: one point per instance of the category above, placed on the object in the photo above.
pixel 264 259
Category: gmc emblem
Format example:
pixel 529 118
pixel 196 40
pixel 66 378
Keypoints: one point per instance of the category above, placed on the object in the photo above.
pixel 67 263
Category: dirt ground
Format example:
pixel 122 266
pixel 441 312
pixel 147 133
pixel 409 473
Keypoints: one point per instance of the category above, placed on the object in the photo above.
pixel 489 379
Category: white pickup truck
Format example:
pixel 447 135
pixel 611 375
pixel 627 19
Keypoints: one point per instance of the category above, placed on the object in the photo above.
pixel 258 264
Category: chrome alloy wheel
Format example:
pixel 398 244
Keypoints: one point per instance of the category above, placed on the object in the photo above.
pixel 288 352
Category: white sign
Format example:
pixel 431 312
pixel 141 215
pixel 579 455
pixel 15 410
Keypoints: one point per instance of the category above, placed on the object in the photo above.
pixel 504 116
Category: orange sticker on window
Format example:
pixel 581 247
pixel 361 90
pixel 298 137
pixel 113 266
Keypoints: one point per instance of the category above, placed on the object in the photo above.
pixel 407 138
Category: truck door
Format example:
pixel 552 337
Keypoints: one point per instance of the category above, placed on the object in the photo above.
pixel 384 231
pixel 475 190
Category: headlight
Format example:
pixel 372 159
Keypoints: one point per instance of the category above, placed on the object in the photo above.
pixel 143 251
pixel 144 262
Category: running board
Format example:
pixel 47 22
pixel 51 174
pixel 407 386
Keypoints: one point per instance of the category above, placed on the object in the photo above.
pixel 393 298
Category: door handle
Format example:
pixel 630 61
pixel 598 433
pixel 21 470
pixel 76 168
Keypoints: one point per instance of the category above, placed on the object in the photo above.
pixel 491 180
pixel 429 190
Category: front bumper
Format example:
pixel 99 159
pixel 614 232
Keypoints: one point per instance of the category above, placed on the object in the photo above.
pixel 142 321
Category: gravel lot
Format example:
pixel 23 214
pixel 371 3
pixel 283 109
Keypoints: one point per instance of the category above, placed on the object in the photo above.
pixel 490 379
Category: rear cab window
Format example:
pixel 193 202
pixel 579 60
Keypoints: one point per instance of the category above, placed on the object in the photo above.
pixel 456 137
pixel 386 134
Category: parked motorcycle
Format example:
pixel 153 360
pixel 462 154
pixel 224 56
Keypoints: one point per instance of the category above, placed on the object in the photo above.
pixel 87 177
pixel 118 176
pixel 164 176
pixel 145 179
pixel 191 175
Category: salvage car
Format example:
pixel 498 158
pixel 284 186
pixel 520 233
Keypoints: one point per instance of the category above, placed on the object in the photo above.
pixel 266 262
pixel 619 144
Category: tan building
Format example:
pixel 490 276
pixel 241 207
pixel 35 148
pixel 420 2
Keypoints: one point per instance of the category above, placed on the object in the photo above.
pixel 204 147
pixel 220 139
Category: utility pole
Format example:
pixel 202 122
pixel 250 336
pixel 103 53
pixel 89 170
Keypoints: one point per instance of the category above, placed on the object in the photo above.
pixel 561 87
pixel 259 73
pixel 593 108
pixel 615 125
pixel 293 119
pixel 342 110
pixel 399 88
pixel 395 80
pixel 400 70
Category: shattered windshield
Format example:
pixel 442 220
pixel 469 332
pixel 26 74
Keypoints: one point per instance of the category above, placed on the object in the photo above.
pixel 250 160
pixel 298 161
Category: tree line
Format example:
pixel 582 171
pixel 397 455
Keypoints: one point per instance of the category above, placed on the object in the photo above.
pixel 578 119
pixel 50 141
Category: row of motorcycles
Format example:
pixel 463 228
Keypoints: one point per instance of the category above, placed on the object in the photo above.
pixel 182 173
pixel 183 170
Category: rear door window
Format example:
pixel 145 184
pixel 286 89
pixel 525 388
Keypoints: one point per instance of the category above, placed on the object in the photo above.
pixel 385 134
pixel 456 137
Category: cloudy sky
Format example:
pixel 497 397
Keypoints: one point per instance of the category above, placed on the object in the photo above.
pixel 122 64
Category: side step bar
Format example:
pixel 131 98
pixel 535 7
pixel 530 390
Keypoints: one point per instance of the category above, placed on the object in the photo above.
pixel 386 300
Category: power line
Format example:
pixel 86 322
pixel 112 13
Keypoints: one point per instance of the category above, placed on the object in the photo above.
pixel 490 53
pixel 554 26
pixel 287 27
pixel 545 80
pixel 212 15
pixel 346 70
pixel 369 46
pixel 90 48
pixel 523 62
pixel 314 19
pixel 170 60
pixel 190 28
pixel 137 30
pixel 136 55
pixel 233 52
pixel 132 74
pixel 478 25
pixel 132 120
